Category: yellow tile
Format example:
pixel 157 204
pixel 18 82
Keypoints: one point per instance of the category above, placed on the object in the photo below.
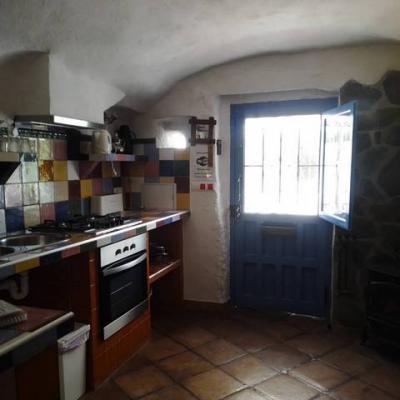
pixel 60 170
pixel 183 201
pixel 167 179
pixel 86 188
pixel 25 265
pixel 182 154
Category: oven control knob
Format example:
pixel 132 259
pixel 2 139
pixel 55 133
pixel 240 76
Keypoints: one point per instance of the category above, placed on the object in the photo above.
pixel 118 252
pixel 132 246
pixel 126 248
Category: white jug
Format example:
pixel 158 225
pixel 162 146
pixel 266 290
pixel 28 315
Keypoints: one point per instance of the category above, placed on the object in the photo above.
pixel 101 142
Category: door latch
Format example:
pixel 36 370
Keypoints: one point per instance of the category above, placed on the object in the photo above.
pixel 235 212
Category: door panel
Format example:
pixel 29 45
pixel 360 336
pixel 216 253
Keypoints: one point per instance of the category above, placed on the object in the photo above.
pixel 278 262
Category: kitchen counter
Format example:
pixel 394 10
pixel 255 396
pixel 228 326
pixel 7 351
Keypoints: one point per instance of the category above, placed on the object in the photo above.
pixel 82 242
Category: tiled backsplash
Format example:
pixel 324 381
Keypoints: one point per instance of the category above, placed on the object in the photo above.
pixel 48 186
pixel 163 166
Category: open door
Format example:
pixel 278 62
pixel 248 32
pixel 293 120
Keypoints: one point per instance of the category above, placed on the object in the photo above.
pixel 291 170
pixel 336 165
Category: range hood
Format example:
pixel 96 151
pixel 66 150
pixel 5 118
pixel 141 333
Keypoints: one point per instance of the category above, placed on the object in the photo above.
pixel 56 120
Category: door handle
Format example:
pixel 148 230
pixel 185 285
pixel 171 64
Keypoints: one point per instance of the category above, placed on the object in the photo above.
pixel 235 212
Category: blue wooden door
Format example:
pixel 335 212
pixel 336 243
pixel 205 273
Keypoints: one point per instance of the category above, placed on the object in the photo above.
pixel 280 261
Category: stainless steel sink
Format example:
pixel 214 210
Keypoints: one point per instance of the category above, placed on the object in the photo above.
pixel 29 241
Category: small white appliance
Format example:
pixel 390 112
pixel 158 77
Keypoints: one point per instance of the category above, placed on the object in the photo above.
pixel 107 204
pixel 101 142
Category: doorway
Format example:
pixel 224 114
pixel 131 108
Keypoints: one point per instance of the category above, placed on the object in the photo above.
pixel 280 247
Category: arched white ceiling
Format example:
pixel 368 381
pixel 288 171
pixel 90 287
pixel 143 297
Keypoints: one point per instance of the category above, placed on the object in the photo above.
pixel 143 47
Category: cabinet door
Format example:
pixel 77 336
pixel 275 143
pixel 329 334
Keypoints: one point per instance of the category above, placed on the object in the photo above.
pixel 337 165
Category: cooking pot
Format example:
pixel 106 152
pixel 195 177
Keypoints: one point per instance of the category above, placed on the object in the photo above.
pixel 101 142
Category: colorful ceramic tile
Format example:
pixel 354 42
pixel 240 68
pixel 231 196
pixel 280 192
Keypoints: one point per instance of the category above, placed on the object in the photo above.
pixel 106 170
pixel 107 186
pixel 136 201
pixel 47 212
pixel 73 170
pixel 151 151
pixel 86 168
pixel 86 188
pixel 152 168
pixel 30 171
pixel 97 187
pixel 166 168
pixel 60 149
pixel 45 148
pixel 13 195
pixel 46 170
pixel 152 179
pixel 61 191
pixel 117 182
pixel 15 176
pixel 46 192
pixel 74 190
pixel 31 215
pixel 132 184
pixel 181 168
pixel 138 149
pixel 167 179
pixel 60 170
pixel 182 184
pixel 27 265
pixel 62 210
pixel 14 219
pixel 30 193
pixel 29 157
pixel 133 169
pixel 183 154
pixel 2 222
pixel 166 154
pixel 2 203
pixel 183 201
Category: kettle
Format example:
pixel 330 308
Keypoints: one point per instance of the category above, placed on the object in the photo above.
pixel 101 142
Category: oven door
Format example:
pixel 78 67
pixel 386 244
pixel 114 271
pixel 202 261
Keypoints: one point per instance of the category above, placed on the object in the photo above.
pixel 123 292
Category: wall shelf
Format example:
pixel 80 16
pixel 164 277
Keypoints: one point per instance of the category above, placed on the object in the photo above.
pixel 159 271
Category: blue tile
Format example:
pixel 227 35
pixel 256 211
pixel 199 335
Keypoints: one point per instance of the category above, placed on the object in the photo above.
pixel 167 168
pixel 151 151
pixel 181 168
pixel 62 210
pixel 14 219
pixel 107 186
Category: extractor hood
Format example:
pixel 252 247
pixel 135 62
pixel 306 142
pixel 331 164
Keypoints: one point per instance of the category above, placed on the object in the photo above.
pixel 56 120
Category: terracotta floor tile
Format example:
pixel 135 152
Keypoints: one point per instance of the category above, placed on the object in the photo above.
pixel 316 344
pixel 251 341
pixel 162 348
pixel 249 370
pixel 386 378
pixel 280 330
pixel 306 324
pixel 357 390
pixel 350 361
pixel 184 365
pixel 135 362
pixel 192 336
pixel 170 393
pixel 284 387
pixel 282 357
pixel 322 376
pixel 107 391
pixel 247 394
pixel 212 385
pixel 140 382
pixel 224 328
pixel 219 351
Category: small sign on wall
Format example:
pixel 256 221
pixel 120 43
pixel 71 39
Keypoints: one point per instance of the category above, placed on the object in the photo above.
pixel 200 169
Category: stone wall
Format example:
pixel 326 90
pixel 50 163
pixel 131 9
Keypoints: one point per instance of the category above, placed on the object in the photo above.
pixel 374 240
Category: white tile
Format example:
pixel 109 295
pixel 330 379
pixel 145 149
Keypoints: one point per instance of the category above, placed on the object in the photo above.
pixel 73 170
pixel 31 216
pixel 46 192
pixel 15 176
pixel 166 154
pixel 61 191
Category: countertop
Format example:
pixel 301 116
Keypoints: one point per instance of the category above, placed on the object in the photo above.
pixel 81 242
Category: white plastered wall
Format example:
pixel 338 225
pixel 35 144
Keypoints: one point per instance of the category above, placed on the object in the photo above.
pixel 210 93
